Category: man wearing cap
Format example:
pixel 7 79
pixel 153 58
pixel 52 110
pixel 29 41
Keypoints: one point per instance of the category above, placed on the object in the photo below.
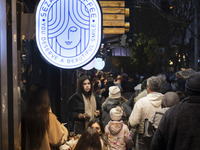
pixel 144 108
pixel 179 128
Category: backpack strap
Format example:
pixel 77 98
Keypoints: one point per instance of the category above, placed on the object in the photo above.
pixel 160 113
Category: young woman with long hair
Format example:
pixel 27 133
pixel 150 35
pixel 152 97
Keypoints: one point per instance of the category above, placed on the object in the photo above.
pixel 98 125
pixel 39 126
pixel 89 140
pixel 83 106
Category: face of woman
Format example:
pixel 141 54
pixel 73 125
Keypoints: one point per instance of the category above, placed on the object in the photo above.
pixel 86 85
pixel 97 127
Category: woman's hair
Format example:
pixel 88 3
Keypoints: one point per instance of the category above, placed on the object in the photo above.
pixel 98 121
pixel 80 86
pixel 89 140
pixel 35 117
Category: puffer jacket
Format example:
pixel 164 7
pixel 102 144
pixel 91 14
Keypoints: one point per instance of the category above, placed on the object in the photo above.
pixel 118 135
pixel 144 108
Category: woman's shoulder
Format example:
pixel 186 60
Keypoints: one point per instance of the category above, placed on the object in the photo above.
pixel 76 96
pixel 52 115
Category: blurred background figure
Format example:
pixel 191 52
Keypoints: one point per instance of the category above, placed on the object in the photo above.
pixel 117 82
pixel 39 126
pixel 109 83
pixel 165 86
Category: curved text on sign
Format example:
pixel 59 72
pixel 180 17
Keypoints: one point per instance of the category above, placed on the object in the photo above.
pixel 68 32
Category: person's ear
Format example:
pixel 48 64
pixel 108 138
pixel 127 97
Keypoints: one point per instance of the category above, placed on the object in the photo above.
pixel 148 90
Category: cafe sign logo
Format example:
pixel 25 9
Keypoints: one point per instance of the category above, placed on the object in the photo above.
pixel 68 32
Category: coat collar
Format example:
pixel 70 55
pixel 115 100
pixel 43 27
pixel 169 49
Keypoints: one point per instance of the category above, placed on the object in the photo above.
pixel 191 99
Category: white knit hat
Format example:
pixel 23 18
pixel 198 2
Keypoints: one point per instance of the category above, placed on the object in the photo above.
pixel 116 113
pixel 114 92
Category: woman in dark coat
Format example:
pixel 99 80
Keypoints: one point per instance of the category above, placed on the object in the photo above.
pixel 82 106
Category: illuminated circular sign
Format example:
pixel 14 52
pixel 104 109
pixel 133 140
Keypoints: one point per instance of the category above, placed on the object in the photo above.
pixel 68 32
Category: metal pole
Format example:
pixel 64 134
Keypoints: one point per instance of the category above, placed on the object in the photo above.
pixel 15 99
pixel 196 44
pixel 3 79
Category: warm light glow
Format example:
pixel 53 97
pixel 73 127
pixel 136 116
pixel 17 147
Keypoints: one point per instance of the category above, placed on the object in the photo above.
pixel 182 69
pixel 171 62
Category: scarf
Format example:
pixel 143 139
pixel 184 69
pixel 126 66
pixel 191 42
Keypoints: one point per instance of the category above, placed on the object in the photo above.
pixel 90 106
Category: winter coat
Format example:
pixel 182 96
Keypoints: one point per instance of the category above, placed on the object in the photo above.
pixel 145 108
pixel 76 106
pixel 140 95
pixel 55 136
pixel 179 128
pixel 112 103
pixel 118 135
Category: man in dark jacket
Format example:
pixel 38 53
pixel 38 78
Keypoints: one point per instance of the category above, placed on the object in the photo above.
pixel 179 128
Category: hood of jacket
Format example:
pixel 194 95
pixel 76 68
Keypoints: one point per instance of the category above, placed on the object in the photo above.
pixel 115 127
pixel 112 103
pixel 155 98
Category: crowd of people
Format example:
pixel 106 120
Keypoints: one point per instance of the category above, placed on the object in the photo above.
pixel 107 112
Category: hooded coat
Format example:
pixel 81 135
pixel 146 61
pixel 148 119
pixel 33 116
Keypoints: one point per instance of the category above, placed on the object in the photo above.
pixel 144 108
pixel 118 135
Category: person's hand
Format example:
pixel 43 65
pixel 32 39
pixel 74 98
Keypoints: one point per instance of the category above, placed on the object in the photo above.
pixel 84 116
pixel 87 117
pixel 96 113
pixel 81 116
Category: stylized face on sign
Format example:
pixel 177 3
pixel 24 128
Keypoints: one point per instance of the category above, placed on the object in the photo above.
pixel 68 32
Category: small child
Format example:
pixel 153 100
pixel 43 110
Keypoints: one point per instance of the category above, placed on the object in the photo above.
pixel 119 136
